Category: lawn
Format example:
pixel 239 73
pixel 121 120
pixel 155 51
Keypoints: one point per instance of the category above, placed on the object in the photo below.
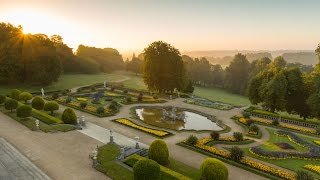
pixel 292 164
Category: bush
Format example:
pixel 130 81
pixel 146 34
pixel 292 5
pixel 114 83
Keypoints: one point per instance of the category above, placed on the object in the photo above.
pixel 100 110
pixel 2 99
pixel 236 153
pixel 125 91
pixel 38 103
pixel 69 117
pixel 15 94
pixel 254 128
pixel 215 135
pixel 51 106
pixel 128 99
pixel 275 122
pixel 246 114
pixel 146 169
pixel 192 140
pixel 318 130
pixel 25 96
pixel 303 175
pixel 140 97
pixel 238 136
pixel 24 111
pixel 68 99
pixel 113 106
pixel 158 151
pixel 249 122
pixel 55 95
pixel 83 104
pixel 155 96
pixel 213 169
pixel 11 104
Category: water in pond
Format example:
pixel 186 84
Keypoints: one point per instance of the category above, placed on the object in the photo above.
pixel 185 120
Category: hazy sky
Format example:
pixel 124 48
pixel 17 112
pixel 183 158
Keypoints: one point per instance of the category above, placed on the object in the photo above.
pixel 188 25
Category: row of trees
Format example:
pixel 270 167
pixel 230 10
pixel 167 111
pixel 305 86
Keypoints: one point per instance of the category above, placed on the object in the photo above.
pixel 40 60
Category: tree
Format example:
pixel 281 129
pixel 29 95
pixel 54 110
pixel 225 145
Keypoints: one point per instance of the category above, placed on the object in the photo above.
pixel 51 106
pixel 163 68
pixel 236 153
pixel 237 74
pixel 213 169
pixel 83 104
pixel 158 151
pixel 38 103
pixel 192 140
pixel 25 96
pixel 11 104
pixel 134 65
pixel 24 111
pixel 238 136
pixel 15 93
pixel 215 135
pixel 189 87
pixel 2 99
pixel 69 116
pixel 146 169
pixel 314 103
pixel 278 63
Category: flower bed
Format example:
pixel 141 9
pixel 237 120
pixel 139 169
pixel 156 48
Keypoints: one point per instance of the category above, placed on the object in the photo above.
pixel 208 103
pixel 155 132
pixel 82 99
pixel 313 168
pixel 317 142
pixel 243 122
pixel 244 161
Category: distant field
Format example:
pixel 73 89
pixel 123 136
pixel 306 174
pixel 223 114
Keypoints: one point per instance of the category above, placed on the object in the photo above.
pixel 221 95
pixel 68 81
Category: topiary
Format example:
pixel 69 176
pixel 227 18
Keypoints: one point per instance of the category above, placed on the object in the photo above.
pixel 246 114
pixel 68 99
pixel 140 97
pixel 51 106
pixel 55 95
pixel 158 151
pixel 213 169
pixel 10 104
pixel 83 104
pixel 249 122
pixel 2 99
pixel 146 169
pixel 236 153
pixel 318 130
pixel 238 136
pixel 24 111
pixel 275 122
pixel 128 99
pixel 25 96
pixel 303 175
pixel 38 103
pixel 125 91
pixel 254 128
pixel 113 106
pixel 69 116
pixel 215 135
pixel 192 140
pixel 100 110
pixel 15 94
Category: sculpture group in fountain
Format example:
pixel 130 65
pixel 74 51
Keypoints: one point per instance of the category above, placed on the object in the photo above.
pixel 173 116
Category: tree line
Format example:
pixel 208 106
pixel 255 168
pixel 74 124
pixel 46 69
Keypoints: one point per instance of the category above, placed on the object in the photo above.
pixel 40 60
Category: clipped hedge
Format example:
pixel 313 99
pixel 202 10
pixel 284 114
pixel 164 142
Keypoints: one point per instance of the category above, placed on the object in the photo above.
pixel 44 117
pixel 69 116
pixel 158 151
pixel 213 169
pixel 166 173
pixel 146 169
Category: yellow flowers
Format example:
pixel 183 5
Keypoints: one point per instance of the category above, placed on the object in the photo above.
pixel 230 139
pixel 61 99
pixel 91 109
pixel 73 103
pixel 204 141
pixel 313 168
pixel 111 94
pixel 298 128
pixel 317 142
pixel 142 128
pixel 81 99
pixel 243 120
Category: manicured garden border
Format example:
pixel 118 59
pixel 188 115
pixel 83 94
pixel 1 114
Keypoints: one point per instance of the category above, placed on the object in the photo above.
pixel 245 141
pixel 267 175
pixel 246 128
pixel 168 133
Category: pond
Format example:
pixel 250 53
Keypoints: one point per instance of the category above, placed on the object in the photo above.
pixel 175 119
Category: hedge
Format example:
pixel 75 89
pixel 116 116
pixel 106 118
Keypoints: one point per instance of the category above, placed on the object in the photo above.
pixel 146 169
pixel 166 173
pixel 44 117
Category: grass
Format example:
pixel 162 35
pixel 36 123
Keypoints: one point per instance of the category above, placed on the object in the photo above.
pixel 221 95
pixel 106 157
pixel 184 169
pixel 291 164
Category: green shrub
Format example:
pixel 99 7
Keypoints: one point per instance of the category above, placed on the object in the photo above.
pixel 125 91
pixel 254 128
pixel 69 116
pixel 100 110
pixel 215 135
pixel 238 136
pixel 38 103
pixel 10 104
pixel 318 130
pixel 83 104
pixel 249 122
pixel 68 99
pixel 24 111
pixel 155 96
pixel 236 153
pixel 246 114
pixel 140 97
pixel 113 105
pixel 2 99
pixel 192 140
pixel 128 99
pixel 51 106
pixel 146 169
pixel 55 95
pixel 303 175
pixel 44 117
pixel 15 94
pixel 275 122
pixel 213 169
pixel 25 96
pixel 158 151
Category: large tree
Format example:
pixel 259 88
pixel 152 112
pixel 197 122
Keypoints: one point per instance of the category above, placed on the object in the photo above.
pixel 163 68
pixel 134 65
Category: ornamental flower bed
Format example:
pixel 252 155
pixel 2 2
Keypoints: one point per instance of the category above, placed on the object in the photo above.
pixel 317 142
pixel 208 103
pixel 82 99
pixel 283 145
pixel 245 161
pixel 312 154
pixel 155 132
pixel 313 168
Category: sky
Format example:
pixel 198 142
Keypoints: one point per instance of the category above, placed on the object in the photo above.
pixel 130 25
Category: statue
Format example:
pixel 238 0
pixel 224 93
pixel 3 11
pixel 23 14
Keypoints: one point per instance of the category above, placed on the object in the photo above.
pixel 105 84
pixel 137 142
pixel 37 124
pixel 42 92
pixel 111 137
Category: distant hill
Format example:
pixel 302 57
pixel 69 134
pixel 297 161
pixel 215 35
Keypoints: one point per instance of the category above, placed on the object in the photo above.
pixel 224 57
